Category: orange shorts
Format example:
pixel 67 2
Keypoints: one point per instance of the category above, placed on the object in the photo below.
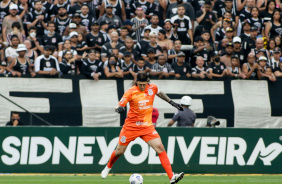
pixel 147 134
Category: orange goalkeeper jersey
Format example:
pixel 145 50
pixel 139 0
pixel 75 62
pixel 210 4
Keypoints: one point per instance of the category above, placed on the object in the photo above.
pixel 141 106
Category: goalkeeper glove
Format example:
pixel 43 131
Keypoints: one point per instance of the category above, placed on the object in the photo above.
pixel 120 109
pixel 176 105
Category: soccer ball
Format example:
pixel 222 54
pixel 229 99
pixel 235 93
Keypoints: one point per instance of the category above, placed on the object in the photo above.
pixel 136 179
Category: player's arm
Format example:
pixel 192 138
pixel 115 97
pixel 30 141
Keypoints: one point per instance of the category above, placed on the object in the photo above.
pixel 164 97
pixel 122 103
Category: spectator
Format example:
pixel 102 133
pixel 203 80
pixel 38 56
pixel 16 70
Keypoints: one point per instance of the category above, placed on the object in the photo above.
pixel 76 19
pixel 270 46
pixel 36 42
pixel 162 69
pixel 206 37
pixel 109 46
pixel 206 17
pixel 5 7
pixel 110 17
pixel 273 27
pixel 81 45
pixel 76 7
pixel 3 68
pixel 199 50
pixel 260 46
pixel 228 53
pixel 126 65
pixel 86 19
pixel 220 34
pixel 38 18
pixel 171 31
pixel 15 120
pixel 142 43
pixel 154 26
pixel 16 30
pixel 140 66
pixel 222 47
pixel 112 69
pixel 234 70
pixel 62 20
pixel 183 25
pixel 173 53
pixel 9 20
pixel 117 6
pixel 145 5
pixel 261 67
pixel 131 33
pixel 238 52
pixel 129 48
pixel 246 30
pixel 151 58
pixel 199 71
pixel 278 71
pixel 186 117
pixel 250 68
pixel 123 34
pixel 11 52
pixel 229 7
pixel 61 4
pixel 152 44
pixel 255 20
pixel 139 22
pixel 274 61
pixel 278 41
pixel 46 64
pixel 250 42
pixel 67 47
pixel 20 65
pixel 170 12
pixel 217 69
pixel 268 12
pixel 103 29
pixel 92 67
pixel 95 39
pixel 30 53
pixel 269 74
pixel 163 42
pixel 181 69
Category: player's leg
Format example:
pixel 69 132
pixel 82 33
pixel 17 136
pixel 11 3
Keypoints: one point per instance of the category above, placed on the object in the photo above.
pixel 115 155
pixel 158 146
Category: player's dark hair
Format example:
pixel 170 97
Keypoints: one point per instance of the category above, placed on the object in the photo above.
pixel 142 77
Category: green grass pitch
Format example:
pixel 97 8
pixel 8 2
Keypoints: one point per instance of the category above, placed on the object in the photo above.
pixel 148 179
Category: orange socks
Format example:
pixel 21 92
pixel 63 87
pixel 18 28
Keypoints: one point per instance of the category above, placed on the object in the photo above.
pixel 166 164
pixel 112 160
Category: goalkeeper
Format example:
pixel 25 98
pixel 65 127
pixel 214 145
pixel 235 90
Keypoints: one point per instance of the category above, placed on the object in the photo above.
pixel 139 123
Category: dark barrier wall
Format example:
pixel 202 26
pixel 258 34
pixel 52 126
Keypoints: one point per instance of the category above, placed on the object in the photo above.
pixel 65 107
pixel 191 150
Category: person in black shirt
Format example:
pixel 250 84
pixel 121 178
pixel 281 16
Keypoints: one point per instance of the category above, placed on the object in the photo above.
pixel 15 120
pixel 267 14
pixel 62 20
pixel 67 66
pixel 91 67
pixel 217 68
pixel 126 65
pixel 129 48
pixel 95 39
pixel 47 64
pixel 250 42
pixel 86 19
pixel 181 69
pixel 238 52
pixel 52 38
pixel 199 50
pixel 205 17
pixel 151 58
pixel 200 71
pixel 37 18
pixel 274 27
pixel 246 30
pixel 112 70
pixel 152 44
pixel 140 66
pixel 183 25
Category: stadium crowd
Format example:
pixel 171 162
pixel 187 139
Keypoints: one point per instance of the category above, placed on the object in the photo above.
pixel 117 38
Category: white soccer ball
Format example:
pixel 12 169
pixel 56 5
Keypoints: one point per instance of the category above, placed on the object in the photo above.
pixel 136 179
